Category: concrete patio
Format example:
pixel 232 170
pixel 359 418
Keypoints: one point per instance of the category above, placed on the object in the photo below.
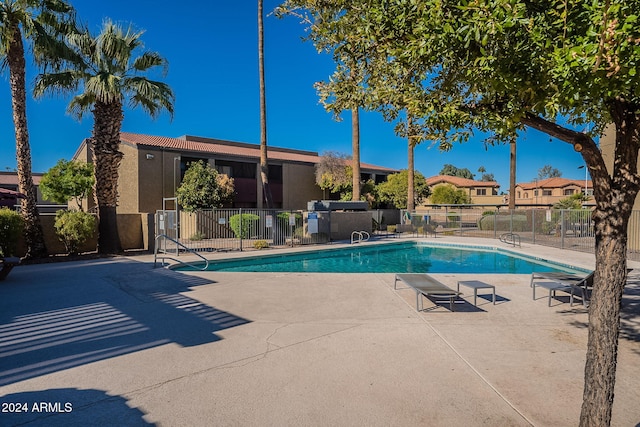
pixel 126 344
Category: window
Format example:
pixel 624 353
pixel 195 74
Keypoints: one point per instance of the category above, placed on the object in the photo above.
pixel 569 192
pixel 481 191
pixel 535 193
pixel 547 192
pixel 237 169
pixel 526 195
pixel 519 195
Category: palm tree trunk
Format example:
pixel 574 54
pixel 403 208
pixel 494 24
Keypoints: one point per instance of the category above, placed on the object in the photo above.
pixel 264 162
pixel 411 199
pixel 105 145
pixel 512 174
pixel 355 147
pixel 34 237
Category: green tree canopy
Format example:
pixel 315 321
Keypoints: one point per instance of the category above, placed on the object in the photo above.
pixel 446 194
pixel 203 188
pixel 548 171
pixel 451 170
pixel 395 189
pixel 334 173
pixel 67 180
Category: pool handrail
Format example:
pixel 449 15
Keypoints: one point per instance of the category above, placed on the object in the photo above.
pixel 164 257
pixel 362 236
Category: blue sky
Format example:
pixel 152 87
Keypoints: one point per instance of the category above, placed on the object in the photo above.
pixel 213 69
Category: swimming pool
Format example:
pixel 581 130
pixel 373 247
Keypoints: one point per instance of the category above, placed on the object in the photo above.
pixel 408 257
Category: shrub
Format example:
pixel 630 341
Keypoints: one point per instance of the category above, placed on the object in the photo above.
pixel 74 228
pixel 197 236
pixel 261 244
pixel 11 225
pixel 241 224
pixel 503 223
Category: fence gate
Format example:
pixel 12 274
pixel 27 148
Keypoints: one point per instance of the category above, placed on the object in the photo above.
pixel 167 223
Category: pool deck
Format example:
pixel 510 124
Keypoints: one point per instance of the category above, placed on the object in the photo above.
pixel 123 343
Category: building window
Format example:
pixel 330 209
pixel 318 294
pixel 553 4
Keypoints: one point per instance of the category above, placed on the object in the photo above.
pixel 535 193
pixel 569 192
pixel 481 191
pixel 237 169
pixel 547 192
pixel 526 195
pixel 519 195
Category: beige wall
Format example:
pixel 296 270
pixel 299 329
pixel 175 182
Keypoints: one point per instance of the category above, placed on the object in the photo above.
pixel 299 186
pixel 345 223
pixel 128 181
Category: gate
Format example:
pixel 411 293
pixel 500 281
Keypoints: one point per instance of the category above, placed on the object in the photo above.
pixel 168 223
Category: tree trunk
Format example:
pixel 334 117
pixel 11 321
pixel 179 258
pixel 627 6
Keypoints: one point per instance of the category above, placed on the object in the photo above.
pixel 355 148
pixel 512 174
pixel 264 163
pixel 604 321
pixel 411 199
pixel 615 192
pixel 105 145
pixel 34 237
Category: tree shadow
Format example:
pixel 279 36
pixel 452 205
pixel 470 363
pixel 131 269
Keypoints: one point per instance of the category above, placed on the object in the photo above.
pixel 66 407
pixel 55 317
pixel 630 311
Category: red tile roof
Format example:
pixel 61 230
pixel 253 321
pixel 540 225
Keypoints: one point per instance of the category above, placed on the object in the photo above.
pixel 11 178
pixel 230 148
pixel 460 182
pixel 554 183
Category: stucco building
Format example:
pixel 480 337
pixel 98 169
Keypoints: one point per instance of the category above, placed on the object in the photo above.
pixel 153 166
pixel 550 191
pixel 480 192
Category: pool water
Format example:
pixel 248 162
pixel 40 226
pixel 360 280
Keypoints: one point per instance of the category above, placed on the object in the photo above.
pixel 410 257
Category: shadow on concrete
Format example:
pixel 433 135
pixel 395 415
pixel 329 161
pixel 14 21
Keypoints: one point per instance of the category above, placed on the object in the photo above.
pixel 55 317
pixel 66 407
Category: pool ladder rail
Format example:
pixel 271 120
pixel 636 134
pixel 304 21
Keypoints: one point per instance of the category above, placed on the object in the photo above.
pixel 181 262
pixel 360 236
pixel 510 239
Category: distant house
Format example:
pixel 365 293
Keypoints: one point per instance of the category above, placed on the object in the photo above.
pixel 480 192
pixel 549 191
pixel 9 180
pixel 152 168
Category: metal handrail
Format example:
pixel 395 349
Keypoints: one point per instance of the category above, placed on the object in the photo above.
pixel 163 257
pixel 363 236
pixel 510 238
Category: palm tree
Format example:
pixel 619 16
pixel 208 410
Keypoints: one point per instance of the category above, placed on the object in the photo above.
pixel 264 165
pixel 355 149
pixel 41 22
pixel 105 68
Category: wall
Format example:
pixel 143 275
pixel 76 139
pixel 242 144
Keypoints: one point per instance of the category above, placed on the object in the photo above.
pixel 133 230
pixel 128 181
pixel 345 223
pixel 299 186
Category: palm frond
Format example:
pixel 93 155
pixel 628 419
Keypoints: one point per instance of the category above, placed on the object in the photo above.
pixel 81 104
pixel 149 60
pixel 152 96
pixel 105 86
pixel 57 83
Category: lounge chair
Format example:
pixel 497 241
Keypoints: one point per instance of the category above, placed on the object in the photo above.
pixel 426 285
pixel 6 265
pixel 565 282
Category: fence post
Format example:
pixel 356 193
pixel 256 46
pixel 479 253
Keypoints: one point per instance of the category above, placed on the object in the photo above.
pixel 562 230
pixel 533 225
pixel 241 229
pixel 495 224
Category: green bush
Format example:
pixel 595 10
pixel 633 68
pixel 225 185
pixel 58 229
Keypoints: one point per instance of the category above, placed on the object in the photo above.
pixel 241 224
pixel 261 244
pixel 503 223
pixel 74 228
pixel 197 236
pixel 11 225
